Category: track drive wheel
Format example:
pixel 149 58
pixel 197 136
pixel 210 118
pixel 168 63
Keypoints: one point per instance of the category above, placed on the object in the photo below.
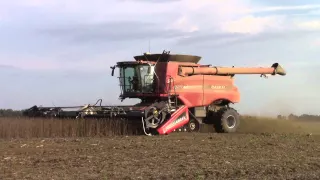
pixel 193 125
pixel 228 120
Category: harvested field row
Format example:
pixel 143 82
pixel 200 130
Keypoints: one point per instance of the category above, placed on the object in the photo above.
pixel 176 156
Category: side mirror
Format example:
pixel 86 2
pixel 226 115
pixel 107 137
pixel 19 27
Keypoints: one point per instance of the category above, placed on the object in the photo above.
pixel 112 67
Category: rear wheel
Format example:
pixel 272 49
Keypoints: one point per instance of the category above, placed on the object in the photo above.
pixel 227 121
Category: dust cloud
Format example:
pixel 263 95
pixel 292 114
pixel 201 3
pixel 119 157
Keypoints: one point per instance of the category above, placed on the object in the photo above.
pixel 272 125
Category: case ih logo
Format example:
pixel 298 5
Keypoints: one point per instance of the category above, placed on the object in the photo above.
pixel 180 119
pixel 218 87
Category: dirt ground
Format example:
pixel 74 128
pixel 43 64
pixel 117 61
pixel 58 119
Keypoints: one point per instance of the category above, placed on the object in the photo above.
pixel 259 151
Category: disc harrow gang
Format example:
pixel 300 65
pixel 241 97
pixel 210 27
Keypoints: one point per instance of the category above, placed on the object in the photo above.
pixel 176 93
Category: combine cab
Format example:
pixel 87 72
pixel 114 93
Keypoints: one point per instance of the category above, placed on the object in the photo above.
pixel 175 92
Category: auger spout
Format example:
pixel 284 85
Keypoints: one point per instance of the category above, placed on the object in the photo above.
pixel 273 70
pixel 278 69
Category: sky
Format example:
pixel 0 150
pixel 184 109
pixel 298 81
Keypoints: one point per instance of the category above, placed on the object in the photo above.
pixel 59 52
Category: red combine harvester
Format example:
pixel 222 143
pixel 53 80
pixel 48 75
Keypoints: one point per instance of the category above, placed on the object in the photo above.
pixel 175 92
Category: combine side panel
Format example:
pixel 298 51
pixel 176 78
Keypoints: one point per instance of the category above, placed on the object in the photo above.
pixel 177 120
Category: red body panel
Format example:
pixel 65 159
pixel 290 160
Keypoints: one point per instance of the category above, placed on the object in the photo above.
pixel 177 120
pixel 196 90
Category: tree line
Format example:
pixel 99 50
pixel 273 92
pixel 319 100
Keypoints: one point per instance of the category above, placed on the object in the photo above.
pixel 10 113
pixel 306 117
